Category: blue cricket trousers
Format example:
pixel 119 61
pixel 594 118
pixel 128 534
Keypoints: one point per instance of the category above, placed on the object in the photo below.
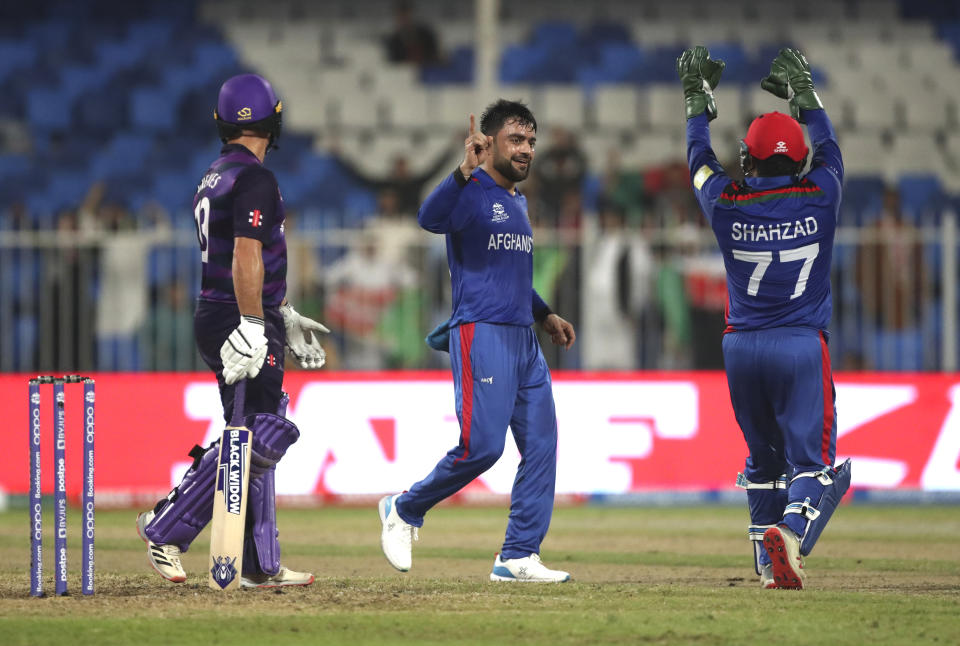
pixel 781 388
pixel 500 379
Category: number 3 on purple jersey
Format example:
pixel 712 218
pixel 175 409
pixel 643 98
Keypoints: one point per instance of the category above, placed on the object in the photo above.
pixel 200 214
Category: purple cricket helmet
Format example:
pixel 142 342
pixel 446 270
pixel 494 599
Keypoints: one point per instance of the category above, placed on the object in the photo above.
pixel 248 102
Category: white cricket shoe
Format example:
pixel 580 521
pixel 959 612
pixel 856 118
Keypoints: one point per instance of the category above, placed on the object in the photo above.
pixel 284 577
pixel 528 568
pixel 783 546
pixel 165 559
pixel 766 577
pixel 397 536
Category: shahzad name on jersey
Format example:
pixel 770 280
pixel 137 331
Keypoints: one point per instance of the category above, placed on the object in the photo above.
pixel 789 230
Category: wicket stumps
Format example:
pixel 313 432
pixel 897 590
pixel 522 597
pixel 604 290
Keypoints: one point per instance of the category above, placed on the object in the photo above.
pixel 60 485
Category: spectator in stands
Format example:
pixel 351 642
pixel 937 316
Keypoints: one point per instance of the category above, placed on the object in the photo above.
pixel 895 287
pixel 618 277
pixel 560 172
pixel 170 336
pixel 411 41
pixel 65 336
pixel 623 190
pixel 406 188
pixel 361 288
pixel 122 303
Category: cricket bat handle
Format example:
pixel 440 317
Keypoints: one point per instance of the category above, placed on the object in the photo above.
pixel 239 395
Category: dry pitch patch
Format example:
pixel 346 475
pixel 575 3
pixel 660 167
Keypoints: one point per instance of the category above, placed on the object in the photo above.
pixel 883 575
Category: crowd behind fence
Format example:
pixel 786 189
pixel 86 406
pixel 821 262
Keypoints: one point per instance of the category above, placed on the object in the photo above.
pixel 642 295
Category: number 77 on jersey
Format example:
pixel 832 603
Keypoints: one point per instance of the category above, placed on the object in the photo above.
pixel 230 500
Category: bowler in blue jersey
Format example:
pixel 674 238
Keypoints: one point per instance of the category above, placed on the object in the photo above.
pixel 775 230
pixel 242 325
pixel 500 377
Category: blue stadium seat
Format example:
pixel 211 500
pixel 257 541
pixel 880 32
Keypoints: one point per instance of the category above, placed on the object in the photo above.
pixel 125 153
pixel 48 109
pixel 555 34
pixel 736 58
pixel 16 54
pixel 213 56
pixel 950 32
pixel 151 32
pixel 154 109
pixel 862 199
pixel 77 79
pixel 457 69
pixel 620 61
pixel 174 190
pixel 660 64
pixel 64 189
pixel 920 195
pixel 119 54
pixel 102 111
pixel 12 166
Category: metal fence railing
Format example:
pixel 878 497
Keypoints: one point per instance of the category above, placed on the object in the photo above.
pixel 640 299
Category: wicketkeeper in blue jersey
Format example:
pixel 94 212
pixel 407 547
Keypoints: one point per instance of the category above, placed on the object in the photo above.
pixel 500 376
pixel 775 230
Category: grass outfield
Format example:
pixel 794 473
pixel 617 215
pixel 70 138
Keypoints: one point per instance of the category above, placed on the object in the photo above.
pixel 881 575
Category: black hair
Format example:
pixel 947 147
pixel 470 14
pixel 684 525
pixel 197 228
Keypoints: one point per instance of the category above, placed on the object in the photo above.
pixel 502 111
pixel 777 165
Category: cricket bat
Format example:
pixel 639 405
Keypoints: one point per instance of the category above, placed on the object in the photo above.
pixel 230 500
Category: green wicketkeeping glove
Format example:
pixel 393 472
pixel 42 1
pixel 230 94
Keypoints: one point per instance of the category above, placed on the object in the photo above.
pixel 790 79
pixel 699 75
pixel 778 84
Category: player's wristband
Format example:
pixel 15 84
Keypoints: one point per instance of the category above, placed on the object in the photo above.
pixel 459 178
pixel 542 315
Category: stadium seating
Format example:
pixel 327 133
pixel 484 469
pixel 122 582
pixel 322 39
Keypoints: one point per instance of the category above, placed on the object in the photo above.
pixel 121 93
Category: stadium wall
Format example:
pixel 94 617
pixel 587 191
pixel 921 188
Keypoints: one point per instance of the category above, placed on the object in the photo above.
pixel 624 437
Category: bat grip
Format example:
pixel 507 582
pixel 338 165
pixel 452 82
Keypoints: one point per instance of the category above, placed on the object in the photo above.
pixel 239 395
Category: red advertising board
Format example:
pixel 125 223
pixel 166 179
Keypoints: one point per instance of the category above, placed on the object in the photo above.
pixel 370 433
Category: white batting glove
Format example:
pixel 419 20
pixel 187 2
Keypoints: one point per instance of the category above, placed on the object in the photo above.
pixel 302 338
pixel 244 350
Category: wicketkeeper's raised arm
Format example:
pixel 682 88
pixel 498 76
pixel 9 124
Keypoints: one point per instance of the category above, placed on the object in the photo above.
pixel 791 79
pixel 699 76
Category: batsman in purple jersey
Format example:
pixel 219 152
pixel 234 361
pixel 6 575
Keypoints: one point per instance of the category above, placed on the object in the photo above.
pixel 242 325
pixel 499 374
pixel 775 230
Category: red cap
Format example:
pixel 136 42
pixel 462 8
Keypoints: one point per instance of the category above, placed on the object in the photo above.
pixel 775 133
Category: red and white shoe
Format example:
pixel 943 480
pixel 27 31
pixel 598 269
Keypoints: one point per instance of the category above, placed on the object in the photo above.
pixel 783 546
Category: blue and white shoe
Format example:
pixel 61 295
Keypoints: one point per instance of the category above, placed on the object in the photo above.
pixel 397 536
pixel 528 568
pixel 767 581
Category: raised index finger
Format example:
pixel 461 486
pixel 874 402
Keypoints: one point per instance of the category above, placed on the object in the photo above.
pixel 473 124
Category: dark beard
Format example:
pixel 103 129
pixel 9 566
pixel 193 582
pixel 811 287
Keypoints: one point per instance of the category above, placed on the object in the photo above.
pixel 505 167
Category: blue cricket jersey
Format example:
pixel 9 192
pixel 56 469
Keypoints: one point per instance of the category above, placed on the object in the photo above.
pixel 776 233
pixel 489 250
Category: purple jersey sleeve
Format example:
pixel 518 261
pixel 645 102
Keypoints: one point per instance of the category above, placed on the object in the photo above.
pixel 706 173
pixel 254 204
